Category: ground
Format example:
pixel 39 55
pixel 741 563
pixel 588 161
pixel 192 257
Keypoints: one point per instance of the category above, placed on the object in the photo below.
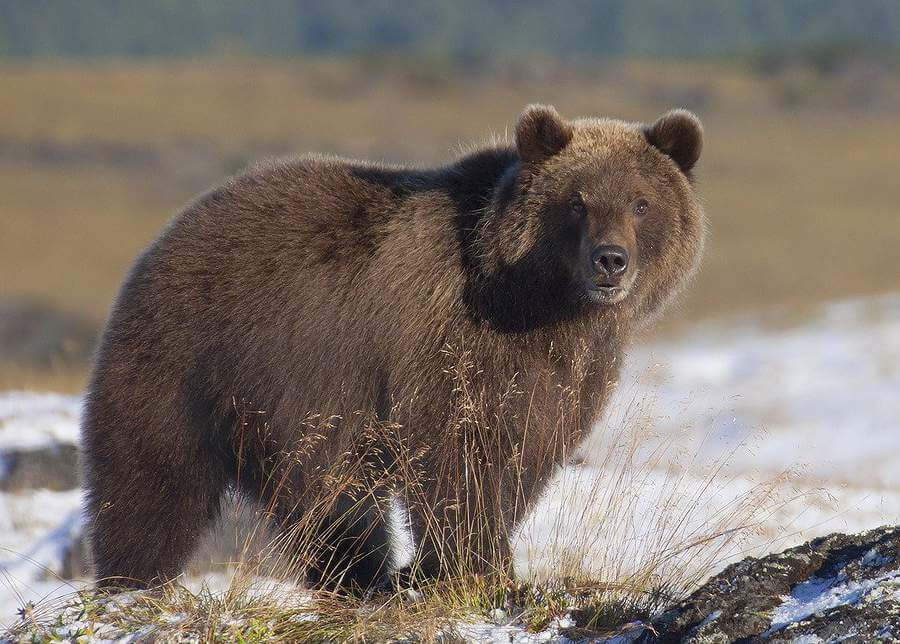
pixel 786 425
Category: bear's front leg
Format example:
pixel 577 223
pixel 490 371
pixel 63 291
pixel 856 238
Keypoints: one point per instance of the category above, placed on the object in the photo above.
pixel 459 530
pixel 343 547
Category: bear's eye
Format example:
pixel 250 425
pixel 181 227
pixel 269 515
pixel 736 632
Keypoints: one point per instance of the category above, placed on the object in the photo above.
pixel 577 206
pixel 641 207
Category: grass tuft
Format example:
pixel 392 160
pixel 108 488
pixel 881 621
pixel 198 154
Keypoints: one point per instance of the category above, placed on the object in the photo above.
pixel 609 543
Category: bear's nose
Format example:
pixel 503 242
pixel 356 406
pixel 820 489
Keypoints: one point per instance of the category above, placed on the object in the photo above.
pixel 610 260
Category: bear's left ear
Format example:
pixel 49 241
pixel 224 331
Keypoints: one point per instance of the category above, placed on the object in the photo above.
pixel 541 133
pixel 679 135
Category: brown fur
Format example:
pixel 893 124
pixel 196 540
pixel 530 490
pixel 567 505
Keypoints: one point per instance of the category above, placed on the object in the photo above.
pixel 324 286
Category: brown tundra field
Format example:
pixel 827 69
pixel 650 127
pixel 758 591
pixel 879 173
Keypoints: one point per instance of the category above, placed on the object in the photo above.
pixel 799 171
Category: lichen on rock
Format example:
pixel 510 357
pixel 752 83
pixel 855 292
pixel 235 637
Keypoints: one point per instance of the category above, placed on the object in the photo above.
pixel 834 588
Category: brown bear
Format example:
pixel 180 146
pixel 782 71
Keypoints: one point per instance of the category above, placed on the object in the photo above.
pixel 336 299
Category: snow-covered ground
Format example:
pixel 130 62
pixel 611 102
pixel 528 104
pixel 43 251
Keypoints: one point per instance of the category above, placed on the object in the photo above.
pixel 31 420
pixel 799 420
pixel 36 526
pixel 733 403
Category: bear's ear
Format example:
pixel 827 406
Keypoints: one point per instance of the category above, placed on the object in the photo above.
pixel 541 133
pixel 679 135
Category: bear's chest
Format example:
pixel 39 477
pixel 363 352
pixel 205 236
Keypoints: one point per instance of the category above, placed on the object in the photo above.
pixel 565 391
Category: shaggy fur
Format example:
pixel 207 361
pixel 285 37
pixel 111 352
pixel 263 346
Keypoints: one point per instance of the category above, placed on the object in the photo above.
pixel 350 290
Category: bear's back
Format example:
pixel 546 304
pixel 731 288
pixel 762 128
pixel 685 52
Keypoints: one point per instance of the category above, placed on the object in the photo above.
pixel 301 262
pixel 326 213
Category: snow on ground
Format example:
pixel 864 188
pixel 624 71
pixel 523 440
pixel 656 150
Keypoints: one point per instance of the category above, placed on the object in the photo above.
pixel 36 526
pixel 732 406
pixel 502 633
pixel 825 393
pixel 819 595
pixel 30 420
pixel 819 398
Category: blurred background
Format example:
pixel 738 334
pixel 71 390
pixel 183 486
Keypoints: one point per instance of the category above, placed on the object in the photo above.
pixel 113 114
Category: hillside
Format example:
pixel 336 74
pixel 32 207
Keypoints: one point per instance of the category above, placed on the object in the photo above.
pixel 467 30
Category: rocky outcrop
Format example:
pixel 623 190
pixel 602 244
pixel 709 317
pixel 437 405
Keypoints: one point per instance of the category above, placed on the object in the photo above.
pixel 838 588
pixel 50 467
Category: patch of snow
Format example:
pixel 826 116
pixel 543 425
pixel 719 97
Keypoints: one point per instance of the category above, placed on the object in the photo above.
pixel 807 639
pixel 630 636
pixel 36 530
pixel 713 616
pixel 37 526
pixel 489 633
pixel 177 618
pixel 819 595
pixel 564 622
pixel 402 541
pixel 818 399
pixel 824 393
pixel 875 559
pixel 497 631
pixel 29 420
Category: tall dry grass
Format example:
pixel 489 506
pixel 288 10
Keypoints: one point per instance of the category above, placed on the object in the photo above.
pixel 612 543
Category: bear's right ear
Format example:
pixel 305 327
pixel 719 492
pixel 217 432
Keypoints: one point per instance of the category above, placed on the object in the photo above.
pixel 679 135
pixel 541 133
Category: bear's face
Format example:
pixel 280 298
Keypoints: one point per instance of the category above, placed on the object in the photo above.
pixel 606 206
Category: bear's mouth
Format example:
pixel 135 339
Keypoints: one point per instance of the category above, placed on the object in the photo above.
pixel 608 293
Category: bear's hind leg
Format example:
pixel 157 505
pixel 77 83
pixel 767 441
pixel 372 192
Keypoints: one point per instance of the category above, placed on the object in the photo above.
pixel 153 491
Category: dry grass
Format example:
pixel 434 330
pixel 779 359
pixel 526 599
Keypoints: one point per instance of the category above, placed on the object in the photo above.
pixel 61 379
pixel 625 544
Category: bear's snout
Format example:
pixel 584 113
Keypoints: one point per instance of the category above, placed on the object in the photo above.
pixel 610 261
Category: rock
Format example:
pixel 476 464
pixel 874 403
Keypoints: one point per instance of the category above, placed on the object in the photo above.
pixel 53 467
pixel 836 588
pixel 75 561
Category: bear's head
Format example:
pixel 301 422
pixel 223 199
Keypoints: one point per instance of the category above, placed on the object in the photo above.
pixel 599 216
